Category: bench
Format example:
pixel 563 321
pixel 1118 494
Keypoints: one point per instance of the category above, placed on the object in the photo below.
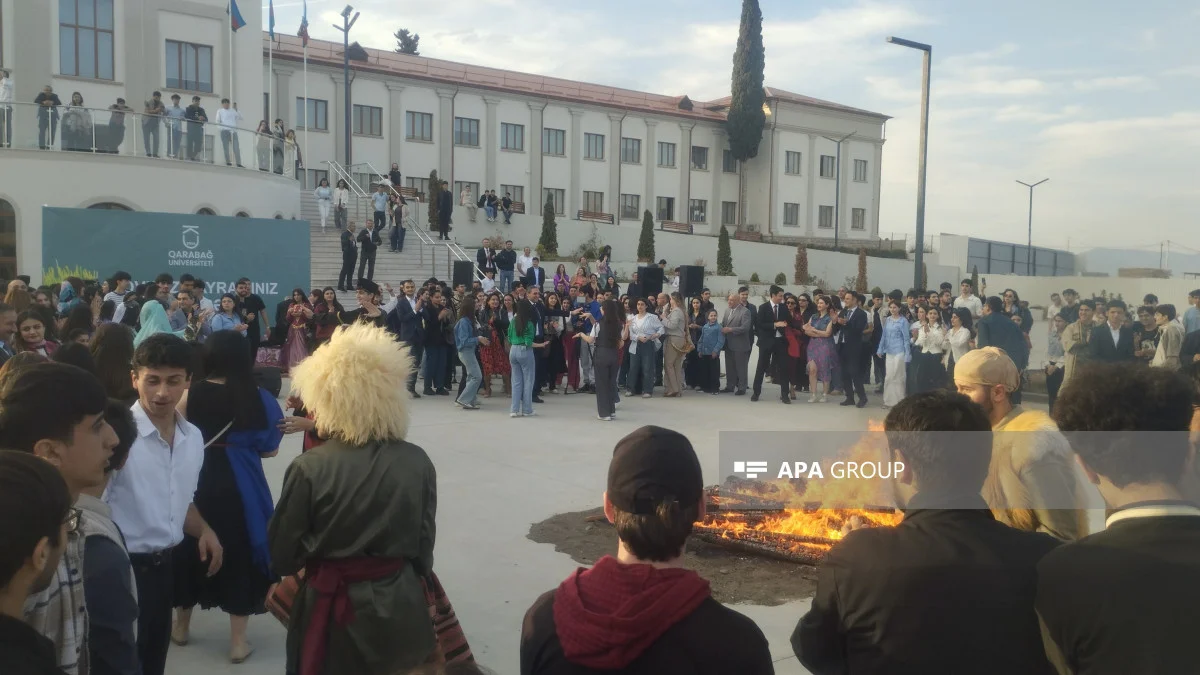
pixel 681 228
pixel 518 207
pixel 743 235
pixel 595 217
pixel 410 193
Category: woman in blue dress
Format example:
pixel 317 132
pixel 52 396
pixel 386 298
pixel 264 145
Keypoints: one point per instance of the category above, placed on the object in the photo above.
pixel 821 353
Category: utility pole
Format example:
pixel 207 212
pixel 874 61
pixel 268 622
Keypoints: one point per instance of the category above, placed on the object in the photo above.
pixel 347 24
pixel 923 153
pixel 837 197
pixel 1029 247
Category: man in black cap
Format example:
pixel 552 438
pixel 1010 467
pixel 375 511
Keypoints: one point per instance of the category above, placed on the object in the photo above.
pixel 642 612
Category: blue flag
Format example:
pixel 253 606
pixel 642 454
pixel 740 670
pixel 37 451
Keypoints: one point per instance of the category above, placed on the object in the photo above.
pixel 235 17
pixel 271 17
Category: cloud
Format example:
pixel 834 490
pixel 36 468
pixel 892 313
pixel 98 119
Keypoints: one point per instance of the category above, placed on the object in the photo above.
pixel 1125 83
pixel 1183 71
pixel 1035 114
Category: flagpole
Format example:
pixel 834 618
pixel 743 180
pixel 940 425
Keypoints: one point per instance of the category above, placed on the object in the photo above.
pixel 232 96
pixel 306 147
pixel 273 108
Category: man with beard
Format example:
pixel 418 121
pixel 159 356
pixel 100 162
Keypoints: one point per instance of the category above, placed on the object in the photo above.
pixel 253 308
pixel 1031 483
pixel 35 529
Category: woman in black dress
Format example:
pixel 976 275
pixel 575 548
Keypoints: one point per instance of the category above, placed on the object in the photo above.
pixel 556 355
pixel 240 424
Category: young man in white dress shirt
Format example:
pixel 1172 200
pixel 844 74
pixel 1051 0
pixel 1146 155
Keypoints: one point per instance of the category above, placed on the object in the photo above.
pixel 151 496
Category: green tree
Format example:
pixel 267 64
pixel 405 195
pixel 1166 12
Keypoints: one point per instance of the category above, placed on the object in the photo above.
pixel 781 278
pixel 975 279
pixel 407 43
pixel 645 251
pixel 724 254
pixel 860 284
pixel 435 189
pixel 548 242
pixel 801 271
pixel 746 118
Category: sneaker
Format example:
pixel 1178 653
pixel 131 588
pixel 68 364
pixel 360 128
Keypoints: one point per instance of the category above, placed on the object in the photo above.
pixel 458 403
pixel 812 399
pixel 646 395
pixel 514 414
pixel 629 393
pixel 538 399
pixel 529 414
pixel 468 406
pixel 604 419
pixel 429 392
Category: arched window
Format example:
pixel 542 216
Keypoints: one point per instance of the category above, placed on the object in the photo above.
pixel 111 206
pixel 241 214
pixel 8 241
pixel 205 211
pixel 278 216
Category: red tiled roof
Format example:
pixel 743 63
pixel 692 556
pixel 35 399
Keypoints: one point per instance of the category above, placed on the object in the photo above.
pixel 289 48
pixel 772 93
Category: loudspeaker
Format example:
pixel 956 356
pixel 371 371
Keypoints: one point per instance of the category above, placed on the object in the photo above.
pixel 464 273
pixel 651 279
pixel 691 280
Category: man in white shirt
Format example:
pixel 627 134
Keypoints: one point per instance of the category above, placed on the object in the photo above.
pixel 228 119
pixel 151 496
pixel 524 262
pixel 968 300
pixel 206 305
pixel 6 99
pixel 489 283
pixel 120 284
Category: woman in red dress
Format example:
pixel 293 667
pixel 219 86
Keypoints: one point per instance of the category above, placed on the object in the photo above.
pixel 299 315
pixel 495 355
pixel 325 317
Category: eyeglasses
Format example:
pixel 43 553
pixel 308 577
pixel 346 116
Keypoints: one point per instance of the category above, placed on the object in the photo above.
pixel 72 520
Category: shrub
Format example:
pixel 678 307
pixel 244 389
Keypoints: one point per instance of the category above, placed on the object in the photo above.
pixel 724 254
pixel 548 243
pixel 754 278
pixel 781 278
pixel 590 247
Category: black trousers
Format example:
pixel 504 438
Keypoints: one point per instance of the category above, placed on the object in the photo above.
pixel 852 372
pixel 155 587
pixel 708 373
pixel 775 355
pixel 541 364
pixel 417 350
pixel 604 360
pixel 380 220
pixel 880 368
pixel 346 276
pixel 1053 384
pixel 367 262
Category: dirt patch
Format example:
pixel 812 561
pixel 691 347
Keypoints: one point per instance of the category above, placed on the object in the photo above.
pixel 735 577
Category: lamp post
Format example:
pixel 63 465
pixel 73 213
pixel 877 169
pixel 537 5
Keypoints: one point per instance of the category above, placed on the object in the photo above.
pixel 347 24
pixel 1029 247
pixel 837 197
pixel 922 153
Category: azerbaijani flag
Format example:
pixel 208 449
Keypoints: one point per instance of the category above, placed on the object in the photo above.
pixel 235 17
pixel 271 17
pixel 303 32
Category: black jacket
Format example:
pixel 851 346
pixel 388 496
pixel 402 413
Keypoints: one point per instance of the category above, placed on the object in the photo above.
pixel 1124 600
pixel 195 115
pixel 349 249
pixel 394 176
pixel 506 260
pixel 946 591
pixel 370 240
pixel 52 109
pixel 23 651
pixel 536 277
pixel 1101 347
pixel 406 324
pixel 764 324
pixel 997 330
pixel 484 260
pixel 445 207
pixel 1190 348
pixel 852 332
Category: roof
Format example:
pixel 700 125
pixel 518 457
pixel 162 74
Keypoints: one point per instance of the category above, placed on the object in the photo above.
pixel 384 62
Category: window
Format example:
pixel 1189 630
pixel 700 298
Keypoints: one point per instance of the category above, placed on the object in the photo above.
pixel 593 201
pixel 665 207
pixel 858 218
pixel 699 158
pixel 630 207
pixel 827 166
pixel 699 210
pixel 826 218
pixel 368 120
pixel 558 197
pixel 631 151
pixel 458 188
pixel 728 163
pixel 791 162
pixel 364 180
pixel 729 213
pixel 593 147
pixel 860 170
pixel 666 154
pixel 512 136
pixel 554 142
pixel 205 211
pixel 418 126
pixel 189 66
pixel 791 214
pixel 8 240
pixel 241 214
pixel 317 116
pixel 516 192
pixel 421 185
pixel 85 39
pixel 466 131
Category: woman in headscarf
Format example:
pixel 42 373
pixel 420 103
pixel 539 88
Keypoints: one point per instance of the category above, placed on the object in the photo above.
pixel 356 515
pixel 154 320
pixel 69 297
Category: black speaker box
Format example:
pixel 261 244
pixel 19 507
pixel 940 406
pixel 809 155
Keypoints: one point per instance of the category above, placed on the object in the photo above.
pixel 691 280
pixel 464 273
pixel 651 279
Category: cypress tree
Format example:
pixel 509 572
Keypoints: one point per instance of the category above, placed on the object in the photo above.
pixel 860 285
pixel 548 242
pixel 801 265
pixel 645 250
pixel 746 118
pixel 975 279
pixel 724 254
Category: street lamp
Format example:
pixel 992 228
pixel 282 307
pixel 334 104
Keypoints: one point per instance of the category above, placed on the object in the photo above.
pixel 1029 248
pixel 922 153
pixel 347 24
pixel 837 197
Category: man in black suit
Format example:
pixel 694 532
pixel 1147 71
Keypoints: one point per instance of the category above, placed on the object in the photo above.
pixel 853 323
pixel 445 208
pixel 535 275
pixel 1112 341
pixel 349 255
pixel 485 257
pixel 950 589
pixel 996 329
pixel 405 322
pixel 1124 600
pixel 772 346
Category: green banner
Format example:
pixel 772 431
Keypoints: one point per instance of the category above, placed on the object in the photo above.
pixel 95 243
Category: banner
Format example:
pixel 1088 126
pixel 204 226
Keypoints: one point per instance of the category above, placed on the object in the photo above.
pixel 95 243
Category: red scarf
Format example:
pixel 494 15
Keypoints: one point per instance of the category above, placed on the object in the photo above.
pixel 331 580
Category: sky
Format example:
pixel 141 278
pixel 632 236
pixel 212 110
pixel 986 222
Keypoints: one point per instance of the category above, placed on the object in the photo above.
pixel 1101 97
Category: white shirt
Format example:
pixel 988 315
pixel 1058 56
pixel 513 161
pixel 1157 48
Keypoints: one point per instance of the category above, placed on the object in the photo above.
pixel 119 300
pixel 971 302
pixel 648 326
pixel 228 117
pixel 6 90
pixel 207 305
pixel 150 496
pixel 1116 334
pixel 524 262
pixel 488 285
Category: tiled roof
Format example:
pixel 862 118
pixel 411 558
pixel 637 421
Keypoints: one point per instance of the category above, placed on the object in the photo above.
pixel 289 48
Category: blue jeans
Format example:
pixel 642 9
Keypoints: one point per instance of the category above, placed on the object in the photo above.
pixel 398 237
pixel 506 279
pixel 490 211
pixel 520 358
pixel 474 377
pixel 641 365
pixel 435 366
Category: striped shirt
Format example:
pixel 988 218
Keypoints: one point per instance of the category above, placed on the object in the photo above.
pixel 58 612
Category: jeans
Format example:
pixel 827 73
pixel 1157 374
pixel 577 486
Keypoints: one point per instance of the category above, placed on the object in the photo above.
pixel 398 238
pixel 339 217
pixel 506 281
pixel 507 216
pixel 490 211
pixel 150 138
pixel 380 219
pixel 474 377
pixel 176 140
pixel 520 357
pixel 226 135
pixel 195 141
pixel 323 207
pixel 641 367
pixel 435 367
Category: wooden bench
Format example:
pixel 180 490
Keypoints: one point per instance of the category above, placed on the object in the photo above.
pixel 595 217
pixel 670 226
pixel 410 193
pixel 743 235
pixel 518 207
